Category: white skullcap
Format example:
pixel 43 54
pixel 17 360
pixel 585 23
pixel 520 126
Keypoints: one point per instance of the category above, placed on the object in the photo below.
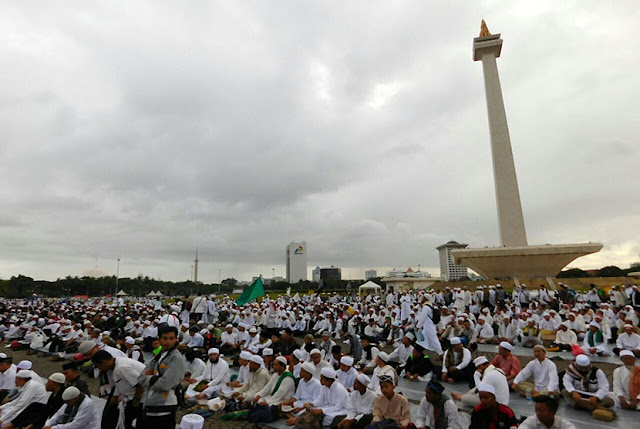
pixel 309 367
pixel 58 377
pixel 314 352
pixel 229 326
pixel 455 340
pixel 480 360
pixel 299 354
pixel 347 360
pixel 257 359
pixel 3 356
pixel 70 393
pixel 210 328
pixel 130 340
pixel 86 346
pixel 186 325
pixel 583 360
pixel 506 345
pixel 213 350
pixel 245 355
pixel 267 352
pixel 364 379
pixel 384 356
pixel 410 336
pixel 25 373
pixel 203 332
pixel 596 324
pixel 25 364
pixel 282 360
pixel 627 325
pixel 486 387
pixel 253 330
pixel 626 353
pixel 328 372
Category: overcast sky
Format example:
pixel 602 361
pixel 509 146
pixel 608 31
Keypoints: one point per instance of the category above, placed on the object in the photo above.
pixel 140 130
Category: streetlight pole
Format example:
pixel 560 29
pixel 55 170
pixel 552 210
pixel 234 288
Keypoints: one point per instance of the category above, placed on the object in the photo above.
pixel 273 273
pixel 117 275
pixel 192 273
pixel 219 280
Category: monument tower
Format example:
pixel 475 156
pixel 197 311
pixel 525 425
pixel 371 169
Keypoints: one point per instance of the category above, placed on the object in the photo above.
pixel 515 258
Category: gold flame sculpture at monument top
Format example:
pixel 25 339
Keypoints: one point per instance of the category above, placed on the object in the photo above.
pixel 484 31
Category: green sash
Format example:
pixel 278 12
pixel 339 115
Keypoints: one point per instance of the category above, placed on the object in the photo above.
pixel 282 377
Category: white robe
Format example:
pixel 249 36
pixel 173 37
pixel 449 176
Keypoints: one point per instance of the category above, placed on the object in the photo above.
pixel 430 339
pixel 333 401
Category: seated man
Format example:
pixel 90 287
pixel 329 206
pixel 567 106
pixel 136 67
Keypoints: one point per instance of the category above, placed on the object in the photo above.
pixel 360 409
pixel 544 373
pixel 506 361
pixel 418 366
pixel 78 409
pixel 243 371
pixel 456 363
pixel 318 363
pixel 229 340
pixel 436 410
pixel 369 354
pixel 585 386
pixel 7 376
pixel 625 379
pixel 595 341
pixel 391 405
pixel 32 397
pixel 565 338
pixel 72 376
pixel 489 413
pixel 382 369
pixel 402 351
pixel 332 400
pixel 347 373
pixel 280 387
pixel 487 374
pixel 545 415
pixel 485 334
pixel 213 378
pixel 628 340
pixel 307 391
pixel 258 378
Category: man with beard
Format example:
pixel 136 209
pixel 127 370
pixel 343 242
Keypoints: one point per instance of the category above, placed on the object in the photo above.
pixel 626 382
pixel 281 386
pixel 456 363
pixel 213 378
pixel 258 378
pixel 436 410
pixel 78 409
pixel 308 389
pixel 586 387
pixel 333 399
pixel 31 393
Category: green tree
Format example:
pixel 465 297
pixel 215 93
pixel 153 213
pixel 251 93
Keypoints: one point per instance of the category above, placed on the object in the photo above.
pixel 610 271
pixel 572 273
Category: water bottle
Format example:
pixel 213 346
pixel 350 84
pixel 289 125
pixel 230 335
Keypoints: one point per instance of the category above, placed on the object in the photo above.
pixel 528 394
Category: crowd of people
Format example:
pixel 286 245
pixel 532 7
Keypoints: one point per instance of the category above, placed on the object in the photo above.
pixel 337 361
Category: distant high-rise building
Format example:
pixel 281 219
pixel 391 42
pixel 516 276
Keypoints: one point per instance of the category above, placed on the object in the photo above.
pixel 370 274
pixel 448 270
pixel 315 274
pixel 296 262
pixel 330 274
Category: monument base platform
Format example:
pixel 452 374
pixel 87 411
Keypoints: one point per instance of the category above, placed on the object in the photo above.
pixel 524 261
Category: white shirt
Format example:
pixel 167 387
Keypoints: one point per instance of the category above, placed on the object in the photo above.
pixel 466 358
pixel 566 337
pixel 359 405
pixel 31 392
pixel 307 391
pixel 628 342
pixel 347 378
pixel 497 379
pixel 8 378
pixel 598 389
pixel 85 418
pixel 196 368
pixel 545 375
pixel 216 374
pixel 401 354
pixel 532 422
pixel 333 401
pixel 125 376
pixel 424 415
pixel 621 377
pixel 284 392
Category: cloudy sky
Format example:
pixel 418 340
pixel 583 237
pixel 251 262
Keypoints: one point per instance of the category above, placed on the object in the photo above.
pixel 140 130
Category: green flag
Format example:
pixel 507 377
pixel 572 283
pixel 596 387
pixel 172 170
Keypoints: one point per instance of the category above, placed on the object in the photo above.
pixel 255 291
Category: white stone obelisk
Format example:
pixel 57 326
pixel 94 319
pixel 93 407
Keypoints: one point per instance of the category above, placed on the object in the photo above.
pixel 486 48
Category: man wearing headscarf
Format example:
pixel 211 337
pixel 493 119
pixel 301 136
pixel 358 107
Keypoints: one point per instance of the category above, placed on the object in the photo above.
pixel 215 375
pixel 489 413
pixel 308 389
pixel 333 399
pixel 437 410
pixel 626 382
pixel 258 378
pixel 585 386
pixel 360 409
pixel 77 409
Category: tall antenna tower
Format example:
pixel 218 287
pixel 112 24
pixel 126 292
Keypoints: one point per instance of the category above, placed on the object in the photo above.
pixel 195 268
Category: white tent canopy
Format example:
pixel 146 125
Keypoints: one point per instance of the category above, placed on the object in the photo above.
pixel 369 287
pixel 121 293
